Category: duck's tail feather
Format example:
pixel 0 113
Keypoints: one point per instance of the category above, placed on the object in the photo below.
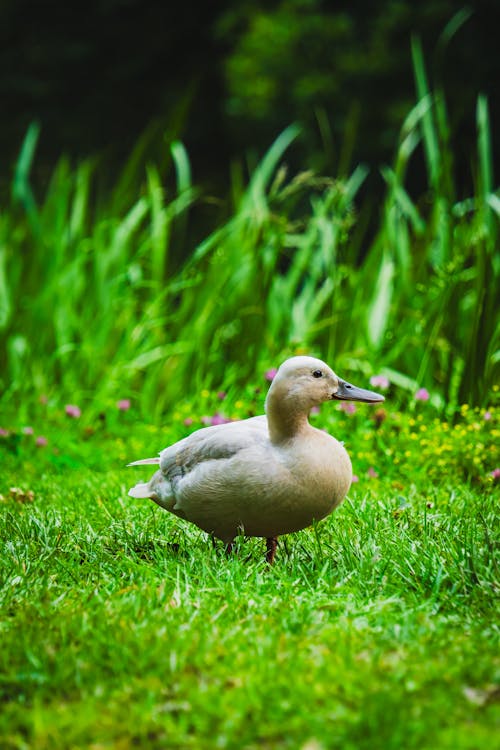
pixel 144 461
pixel 142 489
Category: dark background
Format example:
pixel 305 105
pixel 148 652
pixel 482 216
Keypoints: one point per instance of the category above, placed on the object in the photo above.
pixel 226 77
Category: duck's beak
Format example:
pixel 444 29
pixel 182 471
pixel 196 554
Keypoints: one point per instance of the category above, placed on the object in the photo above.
pixel 348 392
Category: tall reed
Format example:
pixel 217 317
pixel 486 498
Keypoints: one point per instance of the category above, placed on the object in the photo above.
pixel 91 306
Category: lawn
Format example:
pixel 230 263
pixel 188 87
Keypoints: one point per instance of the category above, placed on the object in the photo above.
pixel 121 626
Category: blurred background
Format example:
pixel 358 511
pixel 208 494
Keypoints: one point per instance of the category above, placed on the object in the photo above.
pixel 193 191
pixel 227 77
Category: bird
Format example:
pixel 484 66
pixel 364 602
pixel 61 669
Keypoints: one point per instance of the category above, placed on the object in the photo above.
pixel 264 476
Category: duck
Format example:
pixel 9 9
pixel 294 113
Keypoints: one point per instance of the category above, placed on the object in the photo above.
pixel 264 476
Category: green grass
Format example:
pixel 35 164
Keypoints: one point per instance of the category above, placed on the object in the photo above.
pixel 122 627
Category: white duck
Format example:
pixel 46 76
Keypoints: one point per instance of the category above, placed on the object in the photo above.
pixel 263 476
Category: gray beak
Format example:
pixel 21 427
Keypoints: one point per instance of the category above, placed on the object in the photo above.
pixel 348 392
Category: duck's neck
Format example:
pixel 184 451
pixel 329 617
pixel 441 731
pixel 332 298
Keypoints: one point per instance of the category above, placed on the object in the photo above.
pixel 286 418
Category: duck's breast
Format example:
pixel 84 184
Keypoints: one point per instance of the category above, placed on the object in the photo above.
pixel 323 471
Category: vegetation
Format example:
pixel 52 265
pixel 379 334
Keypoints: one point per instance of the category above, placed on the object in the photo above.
pixel 95 306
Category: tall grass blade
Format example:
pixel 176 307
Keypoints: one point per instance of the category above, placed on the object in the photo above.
pixel 182 166
pixel 5 298
pixel 21 188
pixel 379 308
pixel 431 144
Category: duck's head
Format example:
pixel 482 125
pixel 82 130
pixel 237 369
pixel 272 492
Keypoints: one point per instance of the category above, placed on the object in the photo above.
pixel 308 382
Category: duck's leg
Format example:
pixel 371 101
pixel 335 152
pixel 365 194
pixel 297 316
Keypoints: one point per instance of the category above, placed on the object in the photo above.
pixel 228 546
pixel 214 541
pixel 271 545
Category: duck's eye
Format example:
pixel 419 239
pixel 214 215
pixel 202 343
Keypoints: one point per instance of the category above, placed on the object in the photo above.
pixel 317 374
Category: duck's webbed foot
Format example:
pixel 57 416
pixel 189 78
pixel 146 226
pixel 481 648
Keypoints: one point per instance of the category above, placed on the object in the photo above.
pixel 271 546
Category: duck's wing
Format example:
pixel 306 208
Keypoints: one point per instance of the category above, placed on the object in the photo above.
pixel 210 443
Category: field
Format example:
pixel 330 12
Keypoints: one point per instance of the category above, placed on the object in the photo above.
pixel 123 627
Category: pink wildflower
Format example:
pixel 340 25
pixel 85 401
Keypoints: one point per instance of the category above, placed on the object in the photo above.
pixel 380 381
pixel 495 474
pixel 314 410
pixel 372 473
pixel 487 415
pixel 348 407
pixel 123 404
pixel 355 478
pixel 4 432
pixel 28 430
pixel 270 374
pixel 41 441
pixel 221 395
pixel 188 421
pixel 218 419
pixel 72 411
pixel 206 420
pixel 422 395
